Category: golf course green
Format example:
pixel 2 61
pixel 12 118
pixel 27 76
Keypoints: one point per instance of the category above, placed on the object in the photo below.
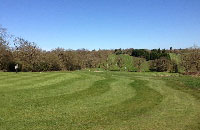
pixel 98 100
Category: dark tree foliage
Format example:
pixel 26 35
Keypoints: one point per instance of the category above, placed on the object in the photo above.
pixel 143 53
pixel 156 54
pixel 150 54
pixel 118 51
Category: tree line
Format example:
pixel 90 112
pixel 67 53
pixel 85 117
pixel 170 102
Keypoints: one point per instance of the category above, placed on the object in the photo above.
pixel 30 57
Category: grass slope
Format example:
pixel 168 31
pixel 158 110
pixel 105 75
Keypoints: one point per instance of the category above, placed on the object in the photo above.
pixel 176 58
pixel 126 63
pixel 97 100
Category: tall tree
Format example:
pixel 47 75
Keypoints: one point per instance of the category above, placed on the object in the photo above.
pixel 5 52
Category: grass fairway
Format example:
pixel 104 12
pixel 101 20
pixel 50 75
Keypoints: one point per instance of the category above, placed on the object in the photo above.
pixel 97 100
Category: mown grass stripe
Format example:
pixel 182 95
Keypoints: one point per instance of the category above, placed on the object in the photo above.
pixel 50 90
pixel 98 86
pixel 119 92
pixel 29 91
pixel 20 78
pixel 13 76
pixel 31 82
pixel 143 102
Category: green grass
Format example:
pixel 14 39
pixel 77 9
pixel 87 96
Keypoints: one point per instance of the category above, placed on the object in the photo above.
pixel 98 100
pixel 176 58
pixel 127 63
pixel 185 83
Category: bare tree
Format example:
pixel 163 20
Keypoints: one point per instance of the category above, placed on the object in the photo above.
pixel 27 53
pixel 5 52
pixel 191 59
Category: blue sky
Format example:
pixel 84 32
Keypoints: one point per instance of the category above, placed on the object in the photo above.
pixel 105 24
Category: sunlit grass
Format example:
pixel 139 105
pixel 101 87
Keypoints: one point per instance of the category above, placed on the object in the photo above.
pixel 96 100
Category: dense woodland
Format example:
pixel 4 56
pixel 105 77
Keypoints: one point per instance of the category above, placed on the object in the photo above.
pixel 16 50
